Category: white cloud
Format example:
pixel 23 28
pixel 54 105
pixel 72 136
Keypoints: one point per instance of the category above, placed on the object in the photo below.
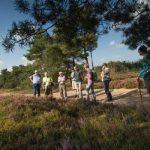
pixel 115 44
pixel 17 37
pixel 23 58
pixel 9 69
pixel 25 61
pixel 112 43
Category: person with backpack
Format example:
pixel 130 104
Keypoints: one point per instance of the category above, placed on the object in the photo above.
pixel 144 71
pixel 47 85
pixel 105 75
pixel 90 83
pixel 36 80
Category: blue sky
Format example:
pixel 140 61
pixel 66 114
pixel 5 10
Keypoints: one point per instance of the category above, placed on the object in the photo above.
pixel 109 46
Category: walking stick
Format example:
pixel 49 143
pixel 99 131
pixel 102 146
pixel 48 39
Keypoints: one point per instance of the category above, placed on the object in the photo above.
pixel 139 89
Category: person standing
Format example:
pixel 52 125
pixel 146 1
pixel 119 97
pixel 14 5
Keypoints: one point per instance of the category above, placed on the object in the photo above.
pixel 78 80
pixel 36 80
pixel 62 86
pixel 105 75
pixel 90 84
pixel 73 81
pixel 144 71
pixel 47 85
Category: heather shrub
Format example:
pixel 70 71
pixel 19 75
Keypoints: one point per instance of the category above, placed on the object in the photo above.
pixel 117 84
pixel 37 123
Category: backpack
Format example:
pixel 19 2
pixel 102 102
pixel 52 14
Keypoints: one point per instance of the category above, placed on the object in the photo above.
pixel 94 76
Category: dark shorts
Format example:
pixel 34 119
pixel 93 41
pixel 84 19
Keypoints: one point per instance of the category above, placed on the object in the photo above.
pixel 48 91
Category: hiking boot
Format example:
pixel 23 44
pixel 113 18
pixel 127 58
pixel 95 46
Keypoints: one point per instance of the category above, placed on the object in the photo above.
pixel 76 96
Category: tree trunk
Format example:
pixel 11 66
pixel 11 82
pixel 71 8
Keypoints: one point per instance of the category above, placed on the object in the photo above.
pixel 85 56
pixel 91 59
pixel 73 62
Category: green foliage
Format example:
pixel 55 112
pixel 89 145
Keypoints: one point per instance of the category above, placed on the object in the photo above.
pixel 123 74
pixel 31 123
pixel 50 55
pixel 18 78
pixel 132 18
pixel 70 20
pixel 120 67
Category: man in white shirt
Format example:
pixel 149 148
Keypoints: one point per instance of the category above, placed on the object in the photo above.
pixel 36 80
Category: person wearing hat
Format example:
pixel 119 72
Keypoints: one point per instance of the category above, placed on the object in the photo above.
pixel 36 80
pixel 144 71
pixel 62 86
pixel 47 85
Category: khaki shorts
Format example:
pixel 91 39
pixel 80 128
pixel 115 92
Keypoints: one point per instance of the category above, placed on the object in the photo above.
pixel 74 85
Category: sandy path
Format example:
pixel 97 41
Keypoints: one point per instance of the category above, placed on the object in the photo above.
pixel 120 96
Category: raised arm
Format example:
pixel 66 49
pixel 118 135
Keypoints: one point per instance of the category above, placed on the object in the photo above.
pixel 31 78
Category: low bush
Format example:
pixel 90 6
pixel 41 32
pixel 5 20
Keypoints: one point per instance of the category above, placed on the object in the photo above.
pixel 129 83
pixel 36 123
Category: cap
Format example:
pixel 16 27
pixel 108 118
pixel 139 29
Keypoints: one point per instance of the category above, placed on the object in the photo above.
pixel 60 72
pixel 35 71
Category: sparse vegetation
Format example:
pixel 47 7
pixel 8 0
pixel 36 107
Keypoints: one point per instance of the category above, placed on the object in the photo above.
pixel 34 123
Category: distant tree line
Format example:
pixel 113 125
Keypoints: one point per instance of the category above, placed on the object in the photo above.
pixel 120 67
pixel 18 78
pixel 123 66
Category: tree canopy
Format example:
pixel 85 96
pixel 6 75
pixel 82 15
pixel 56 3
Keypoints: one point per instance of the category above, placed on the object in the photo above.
pixel 70 21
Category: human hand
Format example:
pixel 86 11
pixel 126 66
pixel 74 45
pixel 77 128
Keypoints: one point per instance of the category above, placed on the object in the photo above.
pixel 138 78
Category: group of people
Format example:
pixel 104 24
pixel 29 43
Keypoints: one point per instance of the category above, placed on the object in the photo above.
pixel 77 77
pixel 47 84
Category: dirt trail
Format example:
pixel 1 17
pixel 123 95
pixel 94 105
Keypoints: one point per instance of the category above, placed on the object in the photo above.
pixel 120 96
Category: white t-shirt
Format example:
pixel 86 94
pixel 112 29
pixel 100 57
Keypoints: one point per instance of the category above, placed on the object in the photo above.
pixel 47 81
pixel 61 79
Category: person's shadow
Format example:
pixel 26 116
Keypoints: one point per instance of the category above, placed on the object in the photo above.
pixel 99 92
pixel 133 93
